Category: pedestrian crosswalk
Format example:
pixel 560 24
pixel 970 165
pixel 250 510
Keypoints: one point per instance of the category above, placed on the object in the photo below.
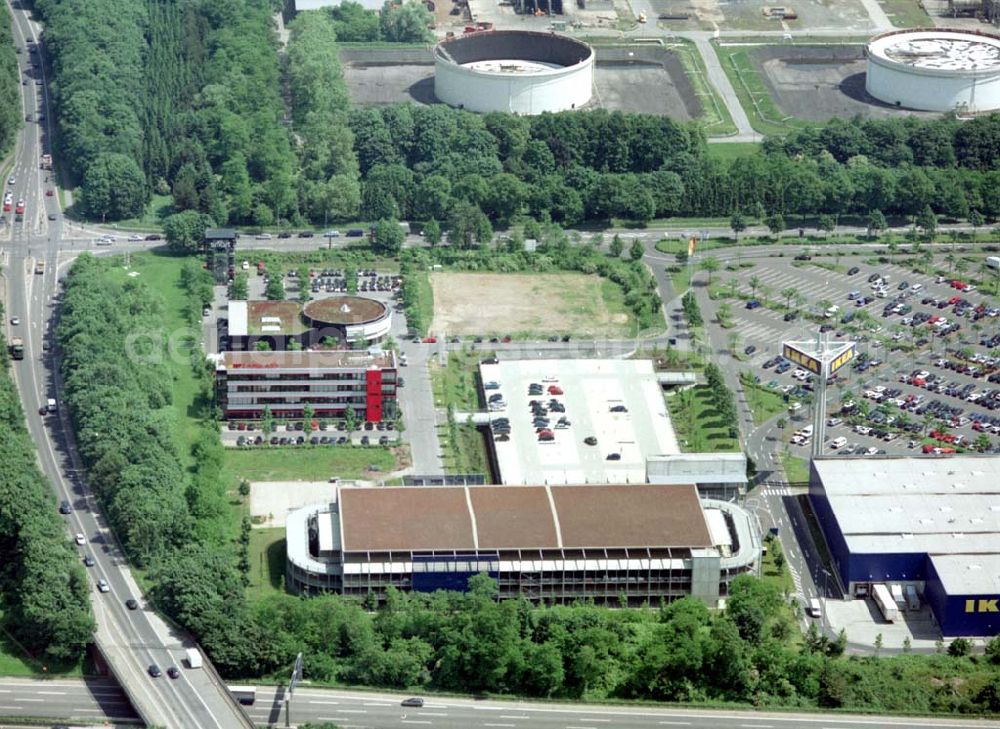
pixel 777 491
pixel 797 581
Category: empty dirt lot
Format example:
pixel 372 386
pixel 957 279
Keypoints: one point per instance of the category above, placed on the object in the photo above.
pixel 528 304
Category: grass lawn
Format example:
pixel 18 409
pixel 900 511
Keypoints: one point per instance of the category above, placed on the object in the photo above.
pixel 715 116
pixel 906 14
pixel 728 151
pixel 796 469
pixel 306 463
pixel 769 572
pixel 463 446
pixel 765 116
pixel 162 274
pixel 422 297
pixel 160 206
pixel 698 426
pixel 267 562
pixel 764 403
pixel 15 661
pixel 456 383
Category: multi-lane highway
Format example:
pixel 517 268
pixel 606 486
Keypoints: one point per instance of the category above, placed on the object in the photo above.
pixel 94 700
pixel 130 641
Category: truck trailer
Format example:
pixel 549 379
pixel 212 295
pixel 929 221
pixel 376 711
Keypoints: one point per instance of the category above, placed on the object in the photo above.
pixel 17 348
pixel 883 598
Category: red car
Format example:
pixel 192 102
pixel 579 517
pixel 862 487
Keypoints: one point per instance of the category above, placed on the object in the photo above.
pixel 429 340
pixel 555 390
pixel 20 207
pixel 50 192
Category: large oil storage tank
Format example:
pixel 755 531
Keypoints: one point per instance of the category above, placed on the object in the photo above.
pixel 513 71
pixel 935 70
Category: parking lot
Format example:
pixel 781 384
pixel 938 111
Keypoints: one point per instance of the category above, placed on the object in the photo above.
pixel 926 377
pixel 237 434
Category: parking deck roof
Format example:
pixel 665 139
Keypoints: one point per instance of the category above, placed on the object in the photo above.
pixel 590 388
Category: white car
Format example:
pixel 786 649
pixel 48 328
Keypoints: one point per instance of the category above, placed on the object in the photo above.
pixel 103 586
pixel 795 407
pixel 80 539
pixel 834 422
pixel 14 321
pixel 332 234
pixel 862 429
pixel 135 236
pixel 263 236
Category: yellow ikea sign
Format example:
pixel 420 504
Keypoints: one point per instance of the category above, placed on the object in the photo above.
pixel 982 606
pixel 801 358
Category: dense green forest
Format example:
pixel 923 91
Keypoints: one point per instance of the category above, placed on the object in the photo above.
pixel 183 99
pixel 44 595
pixel 10 101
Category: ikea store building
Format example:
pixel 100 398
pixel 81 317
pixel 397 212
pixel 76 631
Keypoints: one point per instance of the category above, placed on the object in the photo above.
pixel 932 523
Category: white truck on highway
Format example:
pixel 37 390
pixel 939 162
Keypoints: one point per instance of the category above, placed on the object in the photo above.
pixel 883 598
pixel 193 658
pixel 993 262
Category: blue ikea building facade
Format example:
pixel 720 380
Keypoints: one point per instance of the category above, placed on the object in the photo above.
pixel 930 522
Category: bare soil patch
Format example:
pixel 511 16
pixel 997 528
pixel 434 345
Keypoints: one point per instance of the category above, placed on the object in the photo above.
pixel 528 304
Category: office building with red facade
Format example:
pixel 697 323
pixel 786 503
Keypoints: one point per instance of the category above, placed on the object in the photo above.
pixel 329 382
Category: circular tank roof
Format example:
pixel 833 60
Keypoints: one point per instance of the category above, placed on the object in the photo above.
pixel 513 52
pixel 939 50
pixel 344 310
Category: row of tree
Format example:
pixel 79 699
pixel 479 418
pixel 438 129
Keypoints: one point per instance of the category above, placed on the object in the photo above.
pixel 10 102
pixel 44 595
pixel 679 652
pixel 96 49
pixel 177 98
pixel 722 397
pixel 407 22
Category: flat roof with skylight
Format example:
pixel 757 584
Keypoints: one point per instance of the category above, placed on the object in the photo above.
pixel 934 505
pixel 590 389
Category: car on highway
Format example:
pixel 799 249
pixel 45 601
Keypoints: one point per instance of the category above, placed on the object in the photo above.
pixel 103 586
pixel 173 672
pixel 414 702
pixel 154 670
pixel 80 539
pixel 14 321
pixel 135 237
pixel 590 440
pixel 50 192
pixel 53 216
pixel 88 561
pixel 131 604
pixel 65 508
pixel 12 180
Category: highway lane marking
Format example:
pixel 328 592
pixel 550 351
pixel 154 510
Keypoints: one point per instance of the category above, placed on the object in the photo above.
pixel 757 726
pixel 414 721
pixel 676 723
pixel 38 700
pixel 51 693
pixel 433 713
pixel 351 711
pixel 324 702
pixel 512 716
pixel 500 725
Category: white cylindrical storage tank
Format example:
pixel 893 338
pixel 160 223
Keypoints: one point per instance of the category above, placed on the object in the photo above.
pixel 513 71
pixel 935 70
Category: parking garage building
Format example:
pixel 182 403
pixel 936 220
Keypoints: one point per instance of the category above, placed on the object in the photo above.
pixel 933 523
pixel 555 544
